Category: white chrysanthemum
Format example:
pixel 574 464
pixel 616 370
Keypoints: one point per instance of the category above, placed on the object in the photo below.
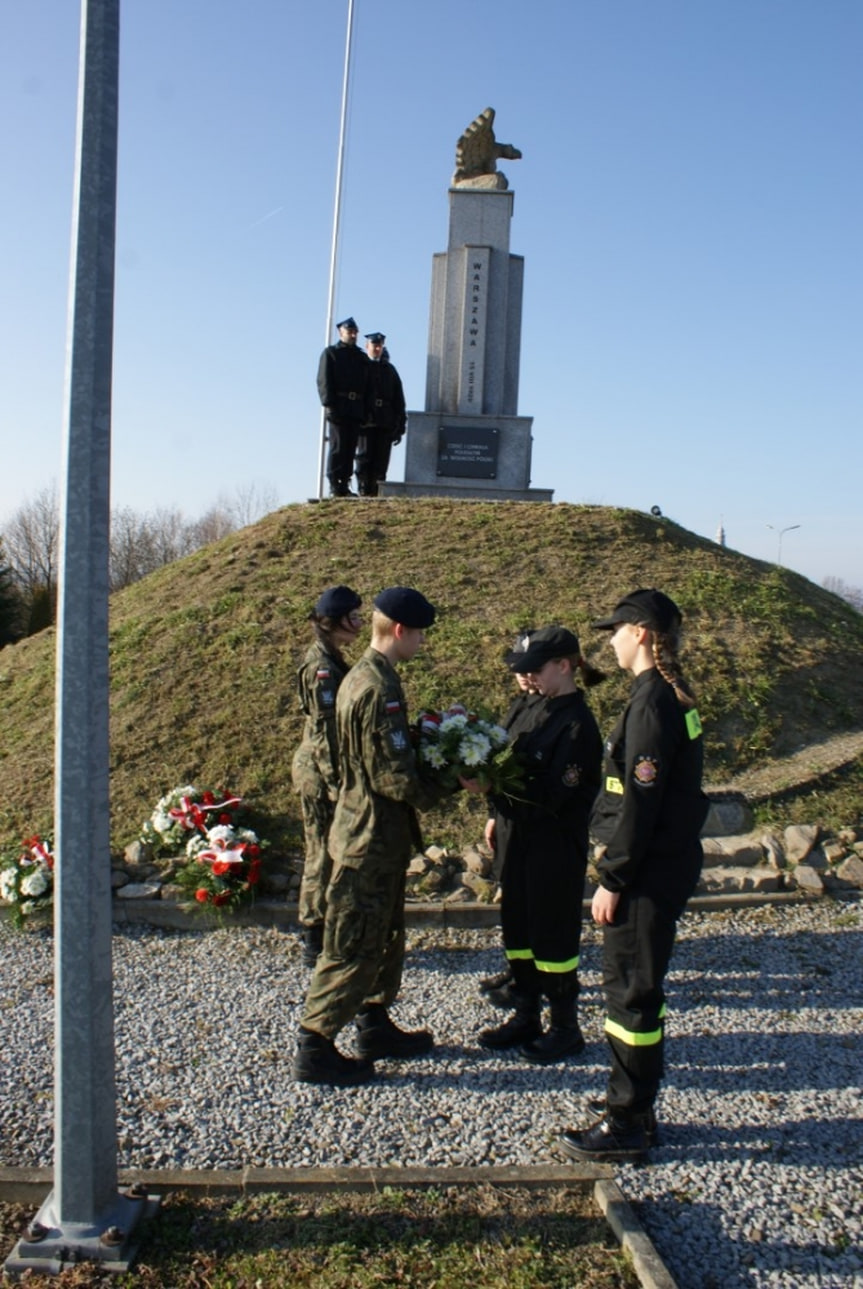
pixel 498 735
pixel 7 884
pixel 453 723
pixel 221 835
pixel 162 821
pixel 475 749
pixel 35 883
pixel 246 834
pixel 433 756
pixel 195 845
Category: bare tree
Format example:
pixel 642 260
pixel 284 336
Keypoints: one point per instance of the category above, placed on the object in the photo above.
pixel 11 607
pixel 133 549
pixel 250 503
pixel 853 594
pixel 31 539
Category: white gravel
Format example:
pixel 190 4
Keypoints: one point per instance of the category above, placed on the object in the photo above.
pixel 759 1174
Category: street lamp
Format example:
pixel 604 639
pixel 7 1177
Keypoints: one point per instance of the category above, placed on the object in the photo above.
pixel 782 532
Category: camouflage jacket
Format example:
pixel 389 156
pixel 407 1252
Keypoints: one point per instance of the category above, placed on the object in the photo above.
pixel 381 786
pixel 315 767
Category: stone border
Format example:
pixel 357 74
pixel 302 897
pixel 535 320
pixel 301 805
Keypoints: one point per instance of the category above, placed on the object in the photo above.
pixel 31 1186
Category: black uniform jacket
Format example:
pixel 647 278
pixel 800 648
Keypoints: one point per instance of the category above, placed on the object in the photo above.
pixel 651 808
pixel 562 753
pixel 343 382
pixel 386 401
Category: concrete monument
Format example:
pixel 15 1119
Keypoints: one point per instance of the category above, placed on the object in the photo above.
pixel 470 440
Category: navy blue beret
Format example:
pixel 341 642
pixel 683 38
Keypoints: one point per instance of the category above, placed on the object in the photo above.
pixel 337 602
pixel 403 604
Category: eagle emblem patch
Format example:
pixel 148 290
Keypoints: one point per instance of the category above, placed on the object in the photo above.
pixel 646 771
pixel 571 776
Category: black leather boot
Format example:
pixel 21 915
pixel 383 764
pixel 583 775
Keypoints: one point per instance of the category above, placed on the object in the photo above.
pixel 318 1060
pixel 522 1027
pixel 597 1106
pixel 564 1038
pixel 313 943
pixel 378 1036
pixel 610 1138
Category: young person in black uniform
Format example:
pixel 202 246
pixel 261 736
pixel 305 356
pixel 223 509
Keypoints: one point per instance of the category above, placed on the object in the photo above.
pixel 335 622
pixel 522 713
pixel 545 840
pixel 343 387
pixel 648 816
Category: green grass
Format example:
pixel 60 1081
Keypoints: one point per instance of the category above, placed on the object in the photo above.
pixel 203 652
pixel 433 1239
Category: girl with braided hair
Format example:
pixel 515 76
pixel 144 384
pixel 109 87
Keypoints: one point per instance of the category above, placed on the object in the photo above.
pixel 648 816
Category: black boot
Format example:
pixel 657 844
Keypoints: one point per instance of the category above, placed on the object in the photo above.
pixel 522 1027
pixel 313 943
pixel 610 1138
pixel 597 1106
pixel 378 1036
pixel 564 1038
pixel 318 1060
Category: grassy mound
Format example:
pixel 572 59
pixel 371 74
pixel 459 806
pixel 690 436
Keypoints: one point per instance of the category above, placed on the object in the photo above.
pixel 203 652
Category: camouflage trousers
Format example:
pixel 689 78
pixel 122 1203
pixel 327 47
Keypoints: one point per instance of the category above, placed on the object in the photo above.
pixel 317 868
pixel 364 948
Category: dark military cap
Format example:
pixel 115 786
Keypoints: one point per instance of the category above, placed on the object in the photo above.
pixel 337 602
pixel 403 604
pixel 348 322
pixel 377 337
pixel 646 608
pixel 545 644
pixel 519 645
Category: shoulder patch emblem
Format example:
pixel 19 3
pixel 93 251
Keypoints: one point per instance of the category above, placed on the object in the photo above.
pixel 646 771
pixel 392 706
pixel 323 673
pixel 327 697
pixel 398 738
pixel 571 776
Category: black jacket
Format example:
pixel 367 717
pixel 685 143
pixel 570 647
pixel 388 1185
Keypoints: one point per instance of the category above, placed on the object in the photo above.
pixel 651 808
pixel 343 382
pixel 386 399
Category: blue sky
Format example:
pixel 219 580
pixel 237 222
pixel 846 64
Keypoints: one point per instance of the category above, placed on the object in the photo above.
pixel 689 206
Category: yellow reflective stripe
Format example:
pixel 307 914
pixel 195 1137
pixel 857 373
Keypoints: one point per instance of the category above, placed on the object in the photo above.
pixel 663 1012
pixel 513 954
pixel 693 723
pixel 630 1037
pixel 557 966
pixel 613 784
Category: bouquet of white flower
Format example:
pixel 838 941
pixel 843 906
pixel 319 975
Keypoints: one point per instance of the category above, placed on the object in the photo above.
pixel 459 744
pixel 27 879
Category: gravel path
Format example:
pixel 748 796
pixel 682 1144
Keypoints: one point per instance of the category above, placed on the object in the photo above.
pixel 757 1180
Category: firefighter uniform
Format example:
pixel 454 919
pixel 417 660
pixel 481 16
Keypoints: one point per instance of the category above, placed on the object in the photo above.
pixel 649 816
pixel 544 841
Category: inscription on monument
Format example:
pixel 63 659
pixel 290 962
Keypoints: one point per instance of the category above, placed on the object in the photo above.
pixel 477 265
pixel 467 453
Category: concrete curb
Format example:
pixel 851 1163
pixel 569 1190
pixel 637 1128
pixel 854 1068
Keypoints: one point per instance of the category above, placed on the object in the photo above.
pixel 31 1186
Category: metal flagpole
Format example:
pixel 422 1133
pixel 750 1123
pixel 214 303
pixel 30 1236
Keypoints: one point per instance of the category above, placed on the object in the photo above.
pixel 337 213
pixel 86 1217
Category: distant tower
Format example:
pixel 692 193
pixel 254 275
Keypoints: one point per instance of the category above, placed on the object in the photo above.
pixel 720 535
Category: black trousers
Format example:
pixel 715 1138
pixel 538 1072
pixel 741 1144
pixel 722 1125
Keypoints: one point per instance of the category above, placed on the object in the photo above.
pixel 636 953
pixel 542 887
pixel 373 457
pixel 343 446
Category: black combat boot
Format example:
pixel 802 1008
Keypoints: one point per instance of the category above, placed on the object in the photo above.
pixel 564 1038
pixel 318 1060
pixel 378 1036
pixel 313 943
pixel 522 1027
pixel 610 1138
pixel 368 485
pixel 597 1106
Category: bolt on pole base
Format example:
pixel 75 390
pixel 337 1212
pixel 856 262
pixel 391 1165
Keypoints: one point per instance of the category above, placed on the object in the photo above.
pixel 49 1247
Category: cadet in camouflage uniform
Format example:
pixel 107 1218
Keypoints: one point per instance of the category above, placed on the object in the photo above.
pixel 315 769
pixel 373 836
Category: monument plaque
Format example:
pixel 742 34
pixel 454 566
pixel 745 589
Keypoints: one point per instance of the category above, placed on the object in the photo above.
pixel 470 440
pixel 467 454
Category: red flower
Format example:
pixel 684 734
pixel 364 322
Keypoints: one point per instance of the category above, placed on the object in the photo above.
pixel 208 799
pixel 202 896
pixel 254 872
pixel 222 898
pixel 224 818
pixel 220 867
pixel 254 851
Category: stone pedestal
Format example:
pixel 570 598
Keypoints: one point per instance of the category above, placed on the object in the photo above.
pixel 470 441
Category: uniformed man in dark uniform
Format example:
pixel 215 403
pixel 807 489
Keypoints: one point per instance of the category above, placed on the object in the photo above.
pixel 649 816
pixel 386 418
pixel 343 386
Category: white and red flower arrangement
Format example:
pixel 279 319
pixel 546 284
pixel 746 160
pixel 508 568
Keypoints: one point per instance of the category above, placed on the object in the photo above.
pixel 222 860
pixel 27 879
pixel 459 743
